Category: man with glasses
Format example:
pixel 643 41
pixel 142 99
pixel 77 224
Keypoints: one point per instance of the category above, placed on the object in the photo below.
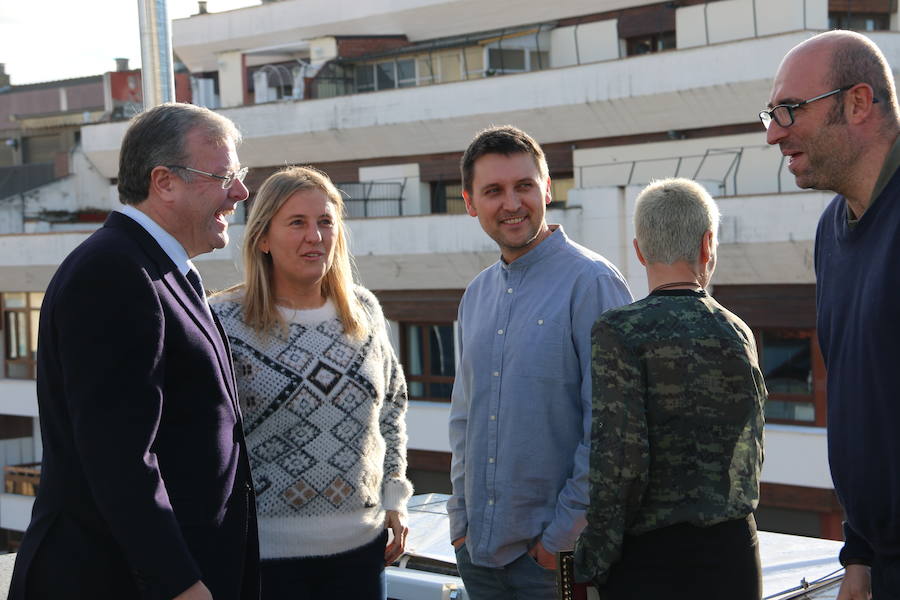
pixel 145 484
pixel 833 112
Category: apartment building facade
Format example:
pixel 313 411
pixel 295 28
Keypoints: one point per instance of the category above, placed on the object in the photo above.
pixel 385 96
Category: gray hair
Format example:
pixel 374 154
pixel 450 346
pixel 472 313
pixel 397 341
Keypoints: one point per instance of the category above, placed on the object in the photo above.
pixel 157 137
pixel 670 218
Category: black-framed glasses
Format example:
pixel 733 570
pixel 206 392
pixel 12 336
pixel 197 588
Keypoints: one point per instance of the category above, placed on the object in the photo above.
pixel 783 114
pixel 227 180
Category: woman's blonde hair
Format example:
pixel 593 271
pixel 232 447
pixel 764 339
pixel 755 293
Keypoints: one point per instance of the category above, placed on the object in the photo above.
pixel 260 311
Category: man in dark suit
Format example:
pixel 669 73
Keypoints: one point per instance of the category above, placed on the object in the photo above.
pixel 145 485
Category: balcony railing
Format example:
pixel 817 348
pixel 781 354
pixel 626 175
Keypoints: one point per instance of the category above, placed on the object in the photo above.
pixel 373 198
pixel 22 479
pixel 755 169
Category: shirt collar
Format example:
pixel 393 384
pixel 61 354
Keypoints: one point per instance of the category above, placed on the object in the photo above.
pixel 166 240
pixel 550 244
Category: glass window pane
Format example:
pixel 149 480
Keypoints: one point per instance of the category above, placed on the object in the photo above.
pixel 790 411
pixel 365 78
pixel 12 341
pixel 440 390
pixel 415 389
pixel 35 299
pixel 406 73
pixel 787 364
pixel 414 350
pixel 18 370
pixel 21 335
pixel 442 354
pixel 35 319
pixel 386 75
pixel 14 300
pixel 506 59
pixel 539 60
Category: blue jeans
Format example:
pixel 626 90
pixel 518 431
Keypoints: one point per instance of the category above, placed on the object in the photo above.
pixel 357 575
pixel 522 579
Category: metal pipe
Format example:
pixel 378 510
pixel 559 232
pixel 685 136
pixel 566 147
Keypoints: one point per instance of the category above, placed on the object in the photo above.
pixel 157 72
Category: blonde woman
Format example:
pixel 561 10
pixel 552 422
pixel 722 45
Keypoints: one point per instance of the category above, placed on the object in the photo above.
pixel 323 398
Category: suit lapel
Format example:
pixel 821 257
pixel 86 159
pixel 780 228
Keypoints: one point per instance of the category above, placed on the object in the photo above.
pixel 184 292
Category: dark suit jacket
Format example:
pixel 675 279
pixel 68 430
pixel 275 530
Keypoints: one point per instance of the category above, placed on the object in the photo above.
pixel 145 484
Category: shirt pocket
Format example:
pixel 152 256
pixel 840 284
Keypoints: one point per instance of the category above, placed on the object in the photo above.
pixel 538 349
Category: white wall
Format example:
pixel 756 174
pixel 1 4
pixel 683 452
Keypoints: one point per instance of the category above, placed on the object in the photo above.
pixel 231 78
pixel 796 456
pixel 15 511
pixel 580 44
pixel 730 20
pixel 19 397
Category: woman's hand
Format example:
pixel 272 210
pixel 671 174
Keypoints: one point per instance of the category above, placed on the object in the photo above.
pixel 396 522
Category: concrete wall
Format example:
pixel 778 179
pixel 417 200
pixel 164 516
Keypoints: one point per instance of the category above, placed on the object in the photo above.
pixel 231 78
pixel 580 44
pixel 729 20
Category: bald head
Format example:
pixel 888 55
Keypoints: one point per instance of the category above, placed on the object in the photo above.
pixel 847 58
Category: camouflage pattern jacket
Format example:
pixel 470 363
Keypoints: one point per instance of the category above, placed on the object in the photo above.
pixel 677 422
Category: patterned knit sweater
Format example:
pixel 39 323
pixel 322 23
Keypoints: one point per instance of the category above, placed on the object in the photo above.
pixel 325 422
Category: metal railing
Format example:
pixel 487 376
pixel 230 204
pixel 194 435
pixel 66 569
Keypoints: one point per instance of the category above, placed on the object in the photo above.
pixel 719 165
pixel 373 198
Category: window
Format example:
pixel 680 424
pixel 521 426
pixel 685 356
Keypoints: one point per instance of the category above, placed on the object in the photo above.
pixel 794 373
pixel 21 313
pixel 429 359
pixel 446 198
pixel 647 44
pixel 502 60
pixel 859 21
pixel 386 75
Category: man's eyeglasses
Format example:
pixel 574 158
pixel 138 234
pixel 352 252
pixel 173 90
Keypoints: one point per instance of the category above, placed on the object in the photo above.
pixel 227 180
pixel 783 114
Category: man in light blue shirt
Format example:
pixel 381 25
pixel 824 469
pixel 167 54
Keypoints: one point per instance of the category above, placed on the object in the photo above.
pixel 520 417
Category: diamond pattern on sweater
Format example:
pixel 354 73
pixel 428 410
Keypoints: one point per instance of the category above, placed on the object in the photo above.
pixel 299 494
pixel 304 403
pixel 347 429
pixel 302 434
pixel 297 463
pixel 340 354
pixel 324 377
pixel 271 449
pixel 343 459
pixel 295 358
pixel 350 396
pixel 338 491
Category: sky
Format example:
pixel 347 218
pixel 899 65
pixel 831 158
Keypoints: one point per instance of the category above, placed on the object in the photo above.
pixel 46 40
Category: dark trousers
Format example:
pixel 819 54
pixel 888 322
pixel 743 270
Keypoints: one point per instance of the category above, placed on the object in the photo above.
pixel 689 562
pixel 357 574
pixel 885 578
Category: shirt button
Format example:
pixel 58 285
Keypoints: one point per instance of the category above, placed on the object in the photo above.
pixel 499 332
pixel 491 460
pixel 493 417
pixel 540 321
pixel 490 501
pixel 509 290
pixel 496 373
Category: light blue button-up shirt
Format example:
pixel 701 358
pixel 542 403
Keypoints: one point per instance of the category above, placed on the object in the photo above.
pixel 520 418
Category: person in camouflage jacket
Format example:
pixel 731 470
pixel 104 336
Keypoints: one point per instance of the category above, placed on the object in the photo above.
pixel 677 422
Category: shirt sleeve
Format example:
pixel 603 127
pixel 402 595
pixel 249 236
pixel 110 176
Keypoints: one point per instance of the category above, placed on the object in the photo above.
pixel 590 300
pixel 459 416
pixel 856 550
pixel 619 455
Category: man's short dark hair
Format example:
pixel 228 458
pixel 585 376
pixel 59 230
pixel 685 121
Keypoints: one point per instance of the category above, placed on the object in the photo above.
pixel 503 139
pixel 157 137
